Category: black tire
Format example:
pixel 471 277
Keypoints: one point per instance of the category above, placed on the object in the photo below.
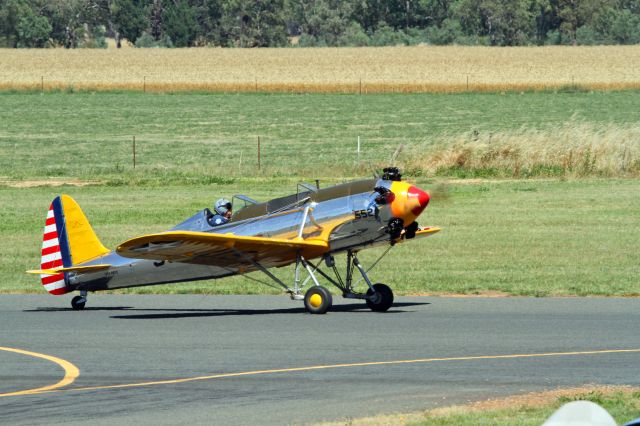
pixel 78 302
pixel 382 300
pixel 410 231
pixel 318 300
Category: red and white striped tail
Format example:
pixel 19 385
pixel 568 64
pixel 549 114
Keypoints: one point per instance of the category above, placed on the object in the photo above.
pixel 52 255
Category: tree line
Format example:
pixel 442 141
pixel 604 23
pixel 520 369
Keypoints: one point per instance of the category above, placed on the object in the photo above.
pixel 279 23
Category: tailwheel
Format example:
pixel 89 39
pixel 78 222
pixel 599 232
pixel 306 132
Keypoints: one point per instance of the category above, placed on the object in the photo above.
pixel 317 300
pixel 381 300
pixel 78 302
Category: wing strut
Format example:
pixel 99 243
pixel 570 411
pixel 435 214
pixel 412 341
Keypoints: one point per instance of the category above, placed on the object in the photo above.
pixel 262 268
pixel 296 291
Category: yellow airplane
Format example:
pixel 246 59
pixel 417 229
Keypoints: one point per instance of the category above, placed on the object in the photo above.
pixel 311 224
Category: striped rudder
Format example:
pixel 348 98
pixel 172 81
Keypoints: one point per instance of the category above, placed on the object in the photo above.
pixel 55 249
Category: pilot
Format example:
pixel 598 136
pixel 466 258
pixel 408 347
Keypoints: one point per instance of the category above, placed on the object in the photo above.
pixel 222 215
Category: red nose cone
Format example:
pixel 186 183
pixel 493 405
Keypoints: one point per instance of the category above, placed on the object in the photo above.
pixel 422 198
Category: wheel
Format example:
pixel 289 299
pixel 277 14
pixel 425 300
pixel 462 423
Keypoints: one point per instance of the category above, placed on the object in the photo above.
pixel 381 300
pixel 317 300
pixel 77 303
pixel 410 231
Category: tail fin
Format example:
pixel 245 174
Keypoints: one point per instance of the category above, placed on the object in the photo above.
pixel 68 240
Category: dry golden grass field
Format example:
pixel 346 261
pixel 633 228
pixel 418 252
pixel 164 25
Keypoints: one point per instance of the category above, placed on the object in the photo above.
pixel 352 70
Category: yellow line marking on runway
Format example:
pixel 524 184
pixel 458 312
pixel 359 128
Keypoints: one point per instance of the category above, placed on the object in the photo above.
pixel 71 372
pixel 351 365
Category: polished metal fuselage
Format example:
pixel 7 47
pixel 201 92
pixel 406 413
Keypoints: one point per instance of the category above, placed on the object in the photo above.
pixel 354 219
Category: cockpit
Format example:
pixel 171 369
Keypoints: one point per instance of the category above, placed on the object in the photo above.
pixel 245 207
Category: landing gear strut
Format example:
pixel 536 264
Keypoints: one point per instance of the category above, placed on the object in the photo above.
pixel 78 302
pixel 378 297
pixel 317 299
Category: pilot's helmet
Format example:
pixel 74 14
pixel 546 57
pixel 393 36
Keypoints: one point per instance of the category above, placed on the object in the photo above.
pixel 222 206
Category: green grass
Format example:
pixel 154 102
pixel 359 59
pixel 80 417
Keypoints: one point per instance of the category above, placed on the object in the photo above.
pixel 623 407
pixel 566 237
pixel 209 138
pixel 529 237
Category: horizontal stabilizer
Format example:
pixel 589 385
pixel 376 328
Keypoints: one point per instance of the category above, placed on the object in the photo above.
pixel 425 232
pixel 420 233
pixel 81 269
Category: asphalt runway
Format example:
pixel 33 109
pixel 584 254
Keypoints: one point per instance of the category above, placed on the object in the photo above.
pixel 262 360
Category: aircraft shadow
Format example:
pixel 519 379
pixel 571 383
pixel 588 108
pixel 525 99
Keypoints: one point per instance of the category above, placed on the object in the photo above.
pixel 191 313
pixel 97 308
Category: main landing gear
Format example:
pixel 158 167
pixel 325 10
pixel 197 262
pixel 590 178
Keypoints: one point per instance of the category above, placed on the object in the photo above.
pixel 380 300
pixel 318 300
pixel 78 302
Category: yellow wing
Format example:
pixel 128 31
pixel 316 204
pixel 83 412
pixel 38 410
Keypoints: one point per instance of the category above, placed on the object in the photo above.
pixel 226 250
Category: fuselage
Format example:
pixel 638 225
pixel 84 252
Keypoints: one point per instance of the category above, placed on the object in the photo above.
pixel 351 216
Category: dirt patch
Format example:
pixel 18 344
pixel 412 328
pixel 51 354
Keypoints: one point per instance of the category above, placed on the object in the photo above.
pixel 48 182
pixel 529 400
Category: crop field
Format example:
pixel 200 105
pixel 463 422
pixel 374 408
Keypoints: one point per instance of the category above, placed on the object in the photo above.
pixel 344 70
pixel 522 237
pixel 208 138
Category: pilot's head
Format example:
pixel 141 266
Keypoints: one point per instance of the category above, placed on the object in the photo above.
pixel 223 207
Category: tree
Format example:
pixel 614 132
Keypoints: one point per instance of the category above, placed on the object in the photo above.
pixel 248 23
pixel 326 21
pixel 505 22
pixel 434 12
pixel 33 30
pixel 10 13
pixel 129 18
pixel 573 14
pixel 156 21
pixel 208 16
pixel 625 28
pixel 67 19
pixel 180 23
pixel 22 26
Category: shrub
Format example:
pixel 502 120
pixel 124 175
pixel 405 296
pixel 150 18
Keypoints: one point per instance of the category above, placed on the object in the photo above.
pixel 386 36
pixel 447 33
pixel 95 38
pixel 354 35
pixel 146 40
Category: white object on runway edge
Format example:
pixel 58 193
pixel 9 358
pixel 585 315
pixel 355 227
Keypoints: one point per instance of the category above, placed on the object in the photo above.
pixel 580 413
